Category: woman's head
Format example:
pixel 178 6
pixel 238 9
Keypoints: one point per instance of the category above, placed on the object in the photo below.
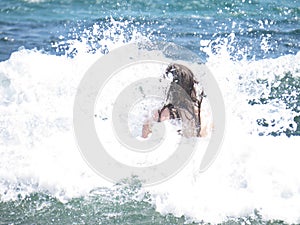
pixel 183 77
pixel 184 100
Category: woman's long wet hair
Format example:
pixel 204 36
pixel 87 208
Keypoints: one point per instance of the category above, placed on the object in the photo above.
pixel 183 101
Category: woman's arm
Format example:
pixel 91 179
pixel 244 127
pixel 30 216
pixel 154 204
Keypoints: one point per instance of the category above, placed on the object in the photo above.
pixel 156 117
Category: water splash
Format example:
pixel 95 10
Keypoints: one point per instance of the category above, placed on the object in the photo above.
pixel 39 154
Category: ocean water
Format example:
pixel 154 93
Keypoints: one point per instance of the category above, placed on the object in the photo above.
pixel 251 47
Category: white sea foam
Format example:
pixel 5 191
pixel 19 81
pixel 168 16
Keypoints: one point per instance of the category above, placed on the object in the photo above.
pixel 39 153
pixel 251 172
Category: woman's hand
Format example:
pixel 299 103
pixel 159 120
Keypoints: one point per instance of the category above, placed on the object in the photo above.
pixel 164 115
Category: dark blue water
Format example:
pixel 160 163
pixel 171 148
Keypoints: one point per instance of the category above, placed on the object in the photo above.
pixel 39 24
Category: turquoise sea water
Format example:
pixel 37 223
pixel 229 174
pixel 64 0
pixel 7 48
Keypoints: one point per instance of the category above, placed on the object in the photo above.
pixel 39 24
pixel 101 206
pixel 251 46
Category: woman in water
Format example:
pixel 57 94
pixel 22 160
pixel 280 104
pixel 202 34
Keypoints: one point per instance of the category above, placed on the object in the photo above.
pixel 183 103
